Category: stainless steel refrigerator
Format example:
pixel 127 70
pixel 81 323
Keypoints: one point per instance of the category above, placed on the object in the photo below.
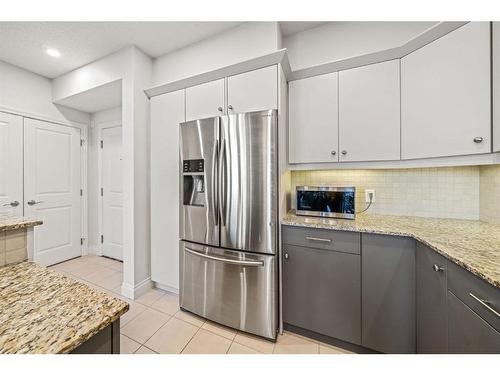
pixel 228 220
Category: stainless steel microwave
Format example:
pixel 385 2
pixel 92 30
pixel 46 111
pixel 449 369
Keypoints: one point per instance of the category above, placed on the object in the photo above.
pixel 326 201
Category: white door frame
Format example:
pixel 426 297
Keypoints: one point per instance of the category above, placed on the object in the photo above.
pixel 98 130
pixel 83 177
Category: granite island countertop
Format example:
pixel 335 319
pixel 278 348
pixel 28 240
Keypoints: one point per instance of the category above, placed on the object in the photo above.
pixel 43 311
pixel 10 222
pixel 473 245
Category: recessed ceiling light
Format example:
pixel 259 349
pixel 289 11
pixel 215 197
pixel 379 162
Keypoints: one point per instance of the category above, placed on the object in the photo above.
pixel 53 52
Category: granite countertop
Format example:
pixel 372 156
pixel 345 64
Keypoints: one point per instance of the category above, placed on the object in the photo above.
pixel 10 222
pixel 473 245
pixel 43 311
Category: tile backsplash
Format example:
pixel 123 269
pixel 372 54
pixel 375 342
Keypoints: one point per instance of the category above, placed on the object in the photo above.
pixel 13 246
pixel 489 193
pixel 429 192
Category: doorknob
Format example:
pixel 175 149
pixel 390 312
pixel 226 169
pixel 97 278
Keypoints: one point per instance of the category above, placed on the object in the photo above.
pixel 33 202
pixel 13 204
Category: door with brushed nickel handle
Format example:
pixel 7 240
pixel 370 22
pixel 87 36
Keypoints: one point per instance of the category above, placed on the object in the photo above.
pixel 11 164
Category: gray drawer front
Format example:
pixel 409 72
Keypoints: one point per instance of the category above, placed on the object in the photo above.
pixel 328 239
pixel 462 283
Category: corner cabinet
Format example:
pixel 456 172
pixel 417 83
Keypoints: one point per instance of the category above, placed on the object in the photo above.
pixel 256 90
pixel 167 111
pixel 446 95
pixel 369 113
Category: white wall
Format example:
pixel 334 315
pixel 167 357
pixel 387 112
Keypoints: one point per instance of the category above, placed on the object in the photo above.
pixel 31 94
pixel 339 40
pixel 241 43
pixel 96 119
pixel 134 68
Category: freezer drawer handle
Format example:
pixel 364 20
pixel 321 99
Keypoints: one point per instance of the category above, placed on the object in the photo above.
pixel 485 304
pixel 318 239
pixel 253 263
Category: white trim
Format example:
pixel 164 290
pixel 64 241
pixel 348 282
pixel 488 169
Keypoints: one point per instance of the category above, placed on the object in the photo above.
pixel 277 57
pixel 84 207
pixel 133 292
pixel 447 161
pixel 98 128
pixel 435 32
pixel 38 116
pixel 166 288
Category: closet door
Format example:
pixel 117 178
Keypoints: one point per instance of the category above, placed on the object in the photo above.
pixel 446 95
pixel 313 122
pixel 369 113
pixel 11 164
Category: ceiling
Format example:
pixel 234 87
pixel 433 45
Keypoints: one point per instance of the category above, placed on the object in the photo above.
pixel 24 43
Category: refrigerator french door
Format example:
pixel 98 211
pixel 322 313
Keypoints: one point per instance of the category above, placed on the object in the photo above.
pixel 229 220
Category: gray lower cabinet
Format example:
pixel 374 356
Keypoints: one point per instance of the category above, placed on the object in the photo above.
pixel 106 341
pixel 432 314
pixel 468 332
pixel 322 291
pixel 388 299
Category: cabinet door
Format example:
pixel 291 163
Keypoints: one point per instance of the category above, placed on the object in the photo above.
pixel 369 113
pixel 388 300
pixel 167 111
pixel 322 292
pixel 256 90
pixel 313 122
pixel 11 164
pixel 496 86
pixel 445 95
pixel 205 100
pixel 468 332
pixel 432 321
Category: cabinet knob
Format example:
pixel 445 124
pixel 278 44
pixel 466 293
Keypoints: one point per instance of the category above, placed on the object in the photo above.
pixel 344 152
pixel 13 204
pixel 478 139
pixel 333 152
pixel 219 109
pixel 286 256
pixel 437 268
pixel 229 106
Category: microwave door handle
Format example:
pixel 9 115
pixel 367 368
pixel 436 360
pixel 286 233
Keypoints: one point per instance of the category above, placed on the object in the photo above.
pixel 252 263
pixel 214 188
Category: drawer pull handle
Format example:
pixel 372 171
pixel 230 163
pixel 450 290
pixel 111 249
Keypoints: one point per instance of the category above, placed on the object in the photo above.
pixel 485 304
pixel 437 268
pixel 318 239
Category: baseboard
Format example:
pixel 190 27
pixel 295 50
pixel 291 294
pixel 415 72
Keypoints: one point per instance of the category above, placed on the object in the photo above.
pixel 166 288
pixel 133 292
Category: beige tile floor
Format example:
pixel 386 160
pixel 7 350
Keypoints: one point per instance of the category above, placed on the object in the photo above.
pixel 155 324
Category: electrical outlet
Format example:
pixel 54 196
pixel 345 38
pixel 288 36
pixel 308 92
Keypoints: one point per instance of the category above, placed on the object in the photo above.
pixel 369 192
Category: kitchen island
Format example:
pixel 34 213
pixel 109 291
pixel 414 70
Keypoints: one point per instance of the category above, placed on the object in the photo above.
pixel 43 311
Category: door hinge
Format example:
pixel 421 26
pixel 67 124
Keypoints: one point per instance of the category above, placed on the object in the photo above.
pixel 81 192
pixel 81 142
pixel 102 192
pixel 102 238
pixel 81 241
pixel 102 143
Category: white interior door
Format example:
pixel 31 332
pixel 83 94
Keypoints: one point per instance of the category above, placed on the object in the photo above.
pixel 52 189
pixel 11 164
pixel 112 192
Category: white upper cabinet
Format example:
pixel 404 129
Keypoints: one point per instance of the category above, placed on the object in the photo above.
pixel 256 90
pixel 445 95
pixel 313 122
pixel 205 100
pixel 369 113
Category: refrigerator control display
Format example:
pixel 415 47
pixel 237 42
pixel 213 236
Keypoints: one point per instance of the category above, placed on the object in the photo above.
pixel 193 166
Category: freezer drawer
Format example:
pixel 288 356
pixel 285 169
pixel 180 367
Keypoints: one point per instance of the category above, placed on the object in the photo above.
pixel 230 287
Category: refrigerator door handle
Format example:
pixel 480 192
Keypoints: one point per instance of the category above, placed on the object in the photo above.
pixel 215 176
pixel 251 263
pixel 223 182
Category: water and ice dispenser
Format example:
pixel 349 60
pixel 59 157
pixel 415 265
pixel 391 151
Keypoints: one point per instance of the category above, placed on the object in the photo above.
pixel 194 182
